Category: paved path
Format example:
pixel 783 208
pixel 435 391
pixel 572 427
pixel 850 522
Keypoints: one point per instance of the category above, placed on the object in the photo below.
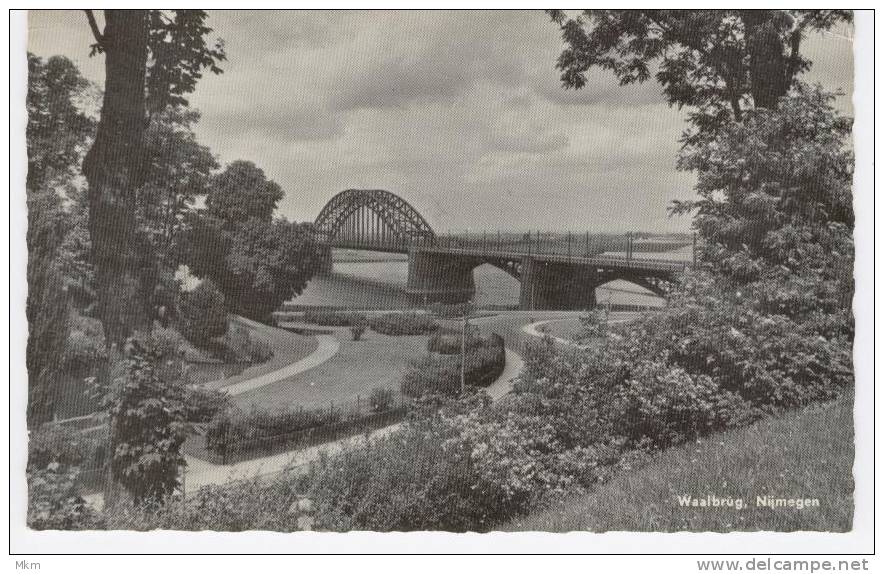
pixel 533 329
pixel 202 473
pixel 327 348
pixel 504 383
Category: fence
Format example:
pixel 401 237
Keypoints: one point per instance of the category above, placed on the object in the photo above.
pixel 562 244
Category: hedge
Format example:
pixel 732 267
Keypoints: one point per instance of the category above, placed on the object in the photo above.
pixel 403 324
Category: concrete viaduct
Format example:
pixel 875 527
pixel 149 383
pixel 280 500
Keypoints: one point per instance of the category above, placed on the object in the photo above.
pixel 556 271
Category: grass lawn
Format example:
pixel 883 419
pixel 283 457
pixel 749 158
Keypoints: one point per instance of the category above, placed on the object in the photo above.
pixel 359 366
pixel 804 454
pixel 287 348
pixel 567 329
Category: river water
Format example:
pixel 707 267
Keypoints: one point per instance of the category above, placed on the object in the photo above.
pixel 380 285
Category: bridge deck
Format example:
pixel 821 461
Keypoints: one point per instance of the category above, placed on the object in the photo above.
pixel 656 264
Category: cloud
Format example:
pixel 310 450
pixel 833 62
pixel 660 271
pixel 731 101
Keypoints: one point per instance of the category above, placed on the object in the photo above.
pixel 461 113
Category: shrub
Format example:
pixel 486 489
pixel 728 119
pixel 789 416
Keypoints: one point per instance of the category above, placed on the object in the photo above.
pixel 202 405
pixel 381 399
pixel 448 341
pixel 54 502
pixel 328 318
pixel 261 503
pixel 202 314
pixel 232 426
pixel 85 348
pixel 55 444
pixel 441 374
pixel 659 405
pixel 146 405
pixel 408 481
pixel 239 346
pixel 358 325
pixel 403 324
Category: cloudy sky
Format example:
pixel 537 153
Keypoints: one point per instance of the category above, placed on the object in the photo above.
pixel 460 113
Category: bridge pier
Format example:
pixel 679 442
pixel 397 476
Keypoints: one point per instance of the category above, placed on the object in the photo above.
pixel 550 286
pixel 438 278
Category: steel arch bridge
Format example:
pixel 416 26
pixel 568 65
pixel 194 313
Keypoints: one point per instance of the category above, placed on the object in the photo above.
pixel 552 275
pixel 372 219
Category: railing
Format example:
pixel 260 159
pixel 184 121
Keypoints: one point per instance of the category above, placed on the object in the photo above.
pixel 552 246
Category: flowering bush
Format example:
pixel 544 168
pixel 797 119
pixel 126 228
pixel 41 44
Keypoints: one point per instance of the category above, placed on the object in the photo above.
pixel 54 502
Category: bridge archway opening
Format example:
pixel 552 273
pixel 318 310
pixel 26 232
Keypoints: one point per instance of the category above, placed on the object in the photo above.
pixel 625 292
pixel 495 286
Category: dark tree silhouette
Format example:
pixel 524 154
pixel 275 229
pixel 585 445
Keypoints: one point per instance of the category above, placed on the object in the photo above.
pixel 717 62
pixel 114 167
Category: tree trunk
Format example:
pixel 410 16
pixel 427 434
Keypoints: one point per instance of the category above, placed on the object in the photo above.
pixel 768 63
pixel 113 171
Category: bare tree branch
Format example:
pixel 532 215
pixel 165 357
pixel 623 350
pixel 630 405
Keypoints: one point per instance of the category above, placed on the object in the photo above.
pixel 93 25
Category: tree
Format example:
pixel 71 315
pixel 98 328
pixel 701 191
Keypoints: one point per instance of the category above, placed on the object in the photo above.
pixel 147 404
pixel 258 262
pixel 56 134
pixel 202 315
pixel 716 62
pixel 242 192
pixel 177 173
pixel 775 203
pixel 258 265
pixel 152 60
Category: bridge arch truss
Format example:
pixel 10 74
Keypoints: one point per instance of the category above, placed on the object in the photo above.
pixel 372 219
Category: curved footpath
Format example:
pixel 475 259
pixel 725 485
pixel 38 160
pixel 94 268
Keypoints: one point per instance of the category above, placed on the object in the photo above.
pixel 199 473
pixel 328 346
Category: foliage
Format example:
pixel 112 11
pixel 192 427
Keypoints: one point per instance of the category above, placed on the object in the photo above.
pixel 152 61
pixel 441 374
pixel 56 134
pixel 203 405
pixel 240 193
pixel 328 318
pixel 463 468
pixel 775 194
pixel 408 481
pixel 451 310
pixel 740 464
pixel 403 324
pixel 146 403
pixel 54 502
pixel 594 324
pixel 381 399
pixel 238 346
pixel 47 307
pixel 57 130
pixel 202 314
pixel 233 426
pixel 257 265
pixel 261 503
pixel 448 341
pixel 177 171
pixel 86 350
pixel 716 62
pixel 55 444
pixel 358 325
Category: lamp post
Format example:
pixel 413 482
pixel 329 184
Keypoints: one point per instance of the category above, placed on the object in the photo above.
pixel 463 347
